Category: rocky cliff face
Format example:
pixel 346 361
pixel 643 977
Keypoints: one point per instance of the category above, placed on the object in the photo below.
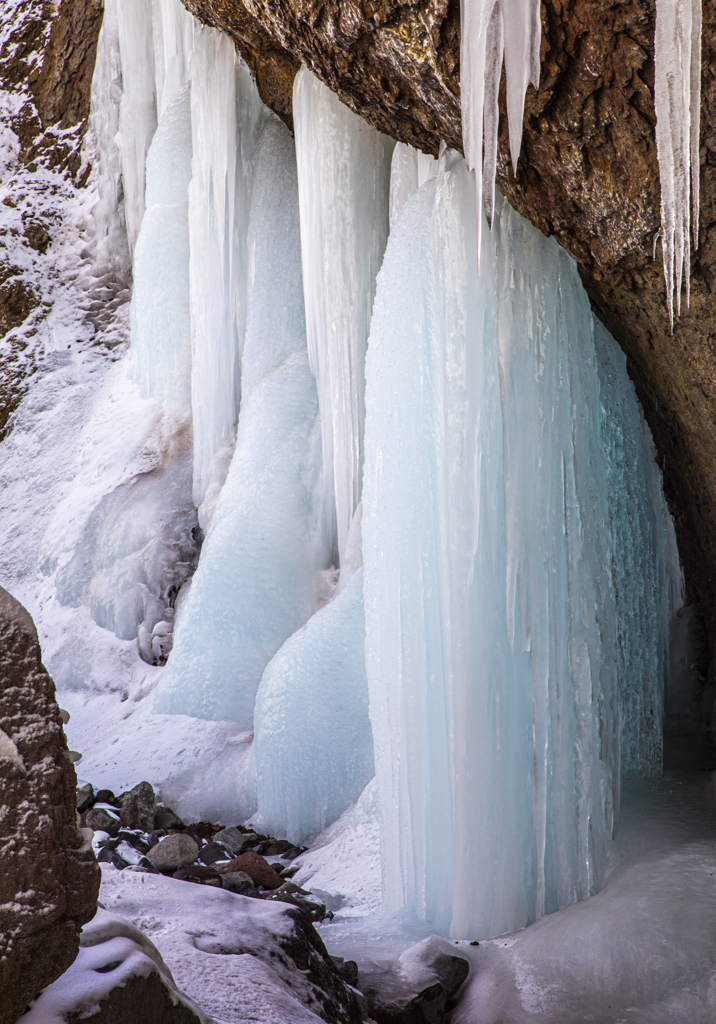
pixel 588 175
pixel 50 878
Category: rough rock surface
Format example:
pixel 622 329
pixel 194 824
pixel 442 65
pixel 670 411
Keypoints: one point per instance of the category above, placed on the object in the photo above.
pixel 257 868
pixel 588 175
pixel 49 878
pixel 174 852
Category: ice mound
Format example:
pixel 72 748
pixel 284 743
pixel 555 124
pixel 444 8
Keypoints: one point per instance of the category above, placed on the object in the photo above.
pixel 313 740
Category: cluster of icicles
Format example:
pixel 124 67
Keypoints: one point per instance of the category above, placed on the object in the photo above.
pixel 493 30
pixel 468 449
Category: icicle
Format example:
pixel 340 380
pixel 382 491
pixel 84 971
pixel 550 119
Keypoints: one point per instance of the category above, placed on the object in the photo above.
pixel 344 183
pixel 491 28
pixel 677 95
pixel 138 111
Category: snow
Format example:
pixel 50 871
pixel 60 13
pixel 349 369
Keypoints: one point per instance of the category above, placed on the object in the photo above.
pixel 313 743
pixel 112 953
pixel 677 99
pixel 344 193
pixel 222 949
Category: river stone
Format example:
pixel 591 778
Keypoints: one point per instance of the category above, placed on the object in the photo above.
pixel 174 852
pixel 49 877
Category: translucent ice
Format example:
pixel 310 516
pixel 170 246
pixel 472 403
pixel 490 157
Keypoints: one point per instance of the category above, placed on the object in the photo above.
pixel 258 577
pixel 491 30
pixel 160 323
pixel 677 98
pixel 226 117
pixel 313 742
pixel 492 630
pixel 344 186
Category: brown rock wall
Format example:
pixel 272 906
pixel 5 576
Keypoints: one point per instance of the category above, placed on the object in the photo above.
pixel 50 878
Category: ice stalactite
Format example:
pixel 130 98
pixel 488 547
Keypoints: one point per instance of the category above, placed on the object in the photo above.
pixel 344 187
pixel 259 576
pixel 138 110
pixel 313 742
pixel 677 98
pixel 493 30
pixel 160 322
pixel 492 630
pixel 226 120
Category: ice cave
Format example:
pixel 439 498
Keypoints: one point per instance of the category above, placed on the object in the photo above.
pixel 338 498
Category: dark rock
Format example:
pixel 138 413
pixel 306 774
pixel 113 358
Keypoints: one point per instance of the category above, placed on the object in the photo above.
pixel 174 852
pixel 197 873
pixel 239 882
pixel 290 893
pixel 106 796
pixel 214 852
pixel 165 818
pixel 202 829
pixel 274 847
pixel 100 988
pixel 43 854
pixel 137 807
pixel 258 869
pixel 139 840
pixel 85 797
pixel 236 840
pixel 347 969
pixel 293 852
pixel 419 988
pixel 102 819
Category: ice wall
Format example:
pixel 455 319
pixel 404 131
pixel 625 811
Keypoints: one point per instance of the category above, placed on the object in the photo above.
pixel 259 575
pixel 492 628
pixel 344 191
pixel 645 561
pixel 313 743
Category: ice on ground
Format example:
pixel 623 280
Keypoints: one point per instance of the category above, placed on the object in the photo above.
pixel 313 741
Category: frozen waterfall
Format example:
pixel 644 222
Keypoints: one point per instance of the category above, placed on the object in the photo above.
pixel 493 547
pixel 338 380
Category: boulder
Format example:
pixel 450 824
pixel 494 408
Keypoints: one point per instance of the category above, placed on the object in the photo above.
pixel 85 797
pixel 137 807
pixel 165 818
pixel 49 878
pixel 174 852
pixel 238 882
pixel 257 868
pixel 235 840
pixel 117 977
pixel 102 818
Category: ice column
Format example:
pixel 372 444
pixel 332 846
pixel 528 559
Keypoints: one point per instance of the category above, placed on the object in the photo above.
pixel 161 334
pixel 344 182
pixel 258 577
pixel 138 111
pixel 409 169
pixel 173 37
pixel 226 117
pixel 312 741
pixel 677 97
pixel 492 629
pixel 493 30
